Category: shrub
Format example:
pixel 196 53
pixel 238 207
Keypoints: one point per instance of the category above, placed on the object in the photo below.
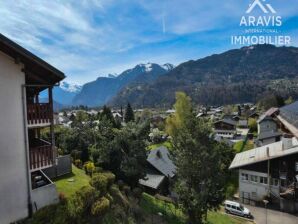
pixel 62 197
pixel 100 183
pixel 110 178
pixel 118 196
pixel 100 207
pixel 81 201
pixel 78 163
pixel 89 168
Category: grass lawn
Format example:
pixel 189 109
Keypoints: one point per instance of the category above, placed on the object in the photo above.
pixel 174 215
pixel 166 144
pixel 70 183
pixel 239 145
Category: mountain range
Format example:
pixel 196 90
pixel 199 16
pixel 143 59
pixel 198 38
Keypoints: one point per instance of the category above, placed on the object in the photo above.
pixel 102 90
pixel 235 76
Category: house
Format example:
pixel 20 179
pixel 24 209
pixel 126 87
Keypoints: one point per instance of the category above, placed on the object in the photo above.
pixel 160 171
pixel 117 116
pixel 170 111
pixel 269 137
pixel 268 128
pixel 225 128
pixel 24 156
pixel 269 172
pixel 287 118
pixel 253 114
pixel 243 124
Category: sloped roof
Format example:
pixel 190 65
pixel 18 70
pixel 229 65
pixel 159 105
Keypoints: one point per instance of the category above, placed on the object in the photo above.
pixel 33 64
pixel 243 122
pixel 256 155
pixel 227 121
pixel 159 159
pixel 268 114
pixel 290 113
pixel 152 180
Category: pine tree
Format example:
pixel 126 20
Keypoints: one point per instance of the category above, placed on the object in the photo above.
pixel 129 114
pixel 202 164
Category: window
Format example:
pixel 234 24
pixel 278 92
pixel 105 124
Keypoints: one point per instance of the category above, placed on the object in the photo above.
pixel 274 182
pixel 296 166
pixel 283 183
pixel 254 178
pixel 233 207
pixel 263 180
pixel 244 176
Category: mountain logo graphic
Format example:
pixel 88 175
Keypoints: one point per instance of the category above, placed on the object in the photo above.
pixel 266 8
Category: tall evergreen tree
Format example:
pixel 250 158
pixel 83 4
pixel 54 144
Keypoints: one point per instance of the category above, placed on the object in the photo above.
pixel 202 164
pixel 107 114
pixel 129 114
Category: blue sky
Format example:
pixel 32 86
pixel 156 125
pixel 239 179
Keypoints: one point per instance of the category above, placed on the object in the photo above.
pixel 91 38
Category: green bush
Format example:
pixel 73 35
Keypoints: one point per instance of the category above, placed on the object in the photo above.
pixel 118 196
pixel 78 163
pixel 100 183
pixel 81 201
pixel 89 168
pixel 110 177
pixel 100 207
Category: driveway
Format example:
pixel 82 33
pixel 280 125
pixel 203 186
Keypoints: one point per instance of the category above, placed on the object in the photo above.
pixel 273 216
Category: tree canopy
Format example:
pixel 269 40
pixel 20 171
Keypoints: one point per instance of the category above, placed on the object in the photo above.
pixel 129 114
pixel 202 163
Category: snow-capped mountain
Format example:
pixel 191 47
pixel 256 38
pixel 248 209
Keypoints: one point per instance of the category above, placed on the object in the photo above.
pixel 104 89
pixel 168 66
pixel 63 94
pixel 72 88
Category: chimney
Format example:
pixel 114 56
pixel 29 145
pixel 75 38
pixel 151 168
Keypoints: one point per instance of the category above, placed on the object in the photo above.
pixel 158 154
pixel 287 143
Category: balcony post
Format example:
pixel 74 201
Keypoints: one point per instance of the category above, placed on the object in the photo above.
pixel 52 124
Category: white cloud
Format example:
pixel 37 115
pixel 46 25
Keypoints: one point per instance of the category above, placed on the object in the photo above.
pixel 89 38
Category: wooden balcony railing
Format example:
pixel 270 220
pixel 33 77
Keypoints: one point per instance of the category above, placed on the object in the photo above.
pixel 39 113
pixel 41 157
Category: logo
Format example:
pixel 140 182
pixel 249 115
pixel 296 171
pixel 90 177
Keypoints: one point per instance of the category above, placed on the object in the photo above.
pixel 263 7
pixel 264 28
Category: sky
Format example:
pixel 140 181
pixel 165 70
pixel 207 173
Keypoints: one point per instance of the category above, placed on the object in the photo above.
pixel 90 38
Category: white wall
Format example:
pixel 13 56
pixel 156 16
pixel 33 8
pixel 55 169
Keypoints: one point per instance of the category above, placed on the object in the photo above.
pixel 13 185
pixel 258 188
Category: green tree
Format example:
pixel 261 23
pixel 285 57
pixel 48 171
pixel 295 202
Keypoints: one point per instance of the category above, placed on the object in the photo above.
pixel 107 114
pixel 290 100
pixel 182 115
pixel 202 164
pixel 125 155
pixel 252 124
pixel 271 100
pixel 129 114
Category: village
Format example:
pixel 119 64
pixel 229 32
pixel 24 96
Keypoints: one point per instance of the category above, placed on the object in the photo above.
pixel 139 112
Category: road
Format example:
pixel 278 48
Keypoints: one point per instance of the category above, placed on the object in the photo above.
pixel 273 216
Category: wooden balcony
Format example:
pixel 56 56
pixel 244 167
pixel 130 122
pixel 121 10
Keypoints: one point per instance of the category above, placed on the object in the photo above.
pixel 41 156
pixel 39 114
